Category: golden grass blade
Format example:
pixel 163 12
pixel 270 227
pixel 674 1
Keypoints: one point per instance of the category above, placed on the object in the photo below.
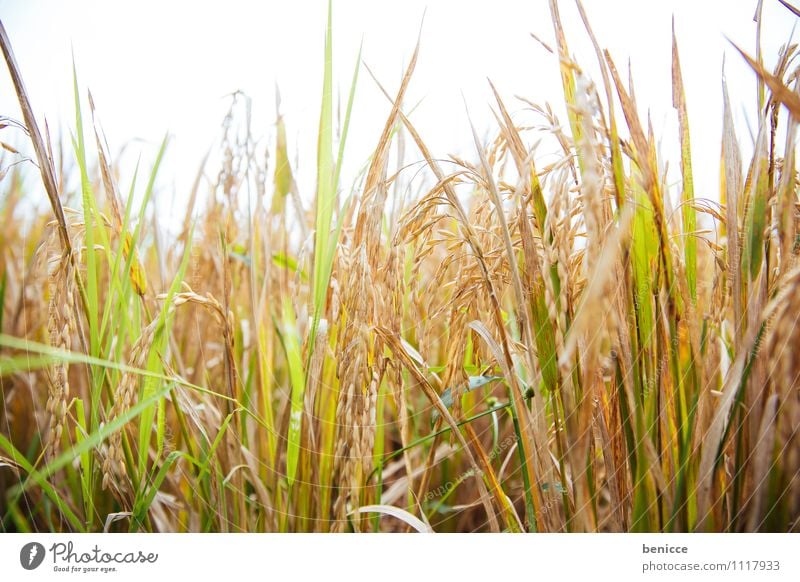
pixel 790 8
pixel 780 92
pixel 513 523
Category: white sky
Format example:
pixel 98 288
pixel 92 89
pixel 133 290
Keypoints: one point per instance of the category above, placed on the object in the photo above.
pixel 163 66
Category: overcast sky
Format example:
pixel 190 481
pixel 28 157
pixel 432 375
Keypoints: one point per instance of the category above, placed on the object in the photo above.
pixel 156 66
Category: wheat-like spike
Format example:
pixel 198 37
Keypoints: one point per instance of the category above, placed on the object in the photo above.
pixel 60 327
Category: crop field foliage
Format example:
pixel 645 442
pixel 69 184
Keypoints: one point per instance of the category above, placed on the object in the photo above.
pixel 510 342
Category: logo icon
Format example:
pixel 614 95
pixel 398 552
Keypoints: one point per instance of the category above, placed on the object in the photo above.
pixel 31 555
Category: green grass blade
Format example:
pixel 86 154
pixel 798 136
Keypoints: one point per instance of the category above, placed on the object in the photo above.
pixel 291 343
pixel 326 189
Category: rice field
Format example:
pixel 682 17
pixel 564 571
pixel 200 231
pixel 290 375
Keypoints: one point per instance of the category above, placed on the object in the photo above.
pixel 517 343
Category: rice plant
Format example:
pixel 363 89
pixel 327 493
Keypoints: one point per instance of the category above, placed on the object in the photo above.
pixel 510 342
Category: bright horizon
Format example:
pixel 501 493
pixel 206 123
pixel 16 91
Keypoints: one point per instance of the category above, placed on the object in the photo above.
pixel 156 68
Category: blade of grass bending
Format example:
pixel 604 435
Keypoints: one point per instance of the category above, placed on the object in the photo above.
pixel 780 92
pixel 401 514
pixel 12 364
pixel 50 354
